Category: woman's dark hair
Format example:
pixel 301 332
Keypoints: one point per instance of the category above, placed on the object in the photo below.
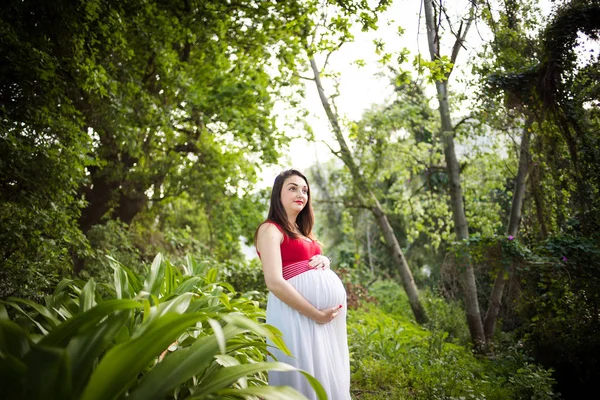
pixel 277 214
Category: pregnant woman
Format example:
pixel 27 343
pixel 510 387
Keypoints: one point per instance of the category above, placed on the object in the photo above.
pixel 307 300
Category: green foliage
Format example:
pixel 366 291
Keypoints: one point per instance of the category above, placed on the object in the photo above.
pixel 559 307
pixel 391 298
pixel 43 147
pixel 113 109
pixel 244 277
pixel 550 303
pixel 169 333
pixel 394 358
pixel 444 315
pixel 438 70
pixel 114 239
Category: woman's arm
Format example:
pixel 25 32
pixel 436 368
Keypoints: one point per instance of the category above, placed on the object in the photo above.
pixel 268 243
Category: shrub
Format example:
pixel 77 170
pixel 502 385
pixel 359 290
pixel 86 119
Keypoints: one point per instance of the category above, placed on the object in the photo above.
pixel 559 307
pixel 244 276
pixel 392 357
pixel 169 334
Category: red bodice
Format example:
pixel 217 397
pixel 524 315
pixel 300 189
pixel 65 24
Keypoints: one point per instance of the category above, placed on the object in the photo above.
pixel 295 254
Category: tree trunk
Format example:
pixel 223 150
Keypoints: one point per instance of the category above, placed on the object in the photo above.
pixel 453 169
pixel 513 228
pixel 369 252
pixel 366 196
pixel 99 195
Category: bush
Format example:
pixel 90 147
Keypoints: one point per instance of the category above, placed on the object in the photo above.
pixel 559 306
pixel 391 298
pixel 244 276
pixel 444 315
pixel 173 333
pixel 393 358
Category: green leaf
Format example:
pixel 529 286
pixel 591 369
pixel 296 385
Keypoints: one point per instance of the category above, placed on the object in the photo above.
pixel 120 367
pixel 177 305
pixel 48 374
pixel 84 349
pixel 188 267
pixel 63 332
pixel 26 314
pixel 180 366
pixel 266 393
pixel 120 280
pixel 265 330
pixel 62 285
pixel 226 360
pixel 51 319
pixel 87 297
pixel 226 376
pixel 211 275
pixel 13 339
pixel 218 332
pixel 188 285
pixel 154 280
pixel 12 373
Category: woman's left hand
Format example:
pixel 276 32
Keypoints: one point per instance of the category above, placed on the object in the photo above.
pixel 319 261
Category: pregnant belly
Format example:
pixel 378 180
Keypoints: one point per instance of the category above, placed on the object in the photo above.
pixel 322 288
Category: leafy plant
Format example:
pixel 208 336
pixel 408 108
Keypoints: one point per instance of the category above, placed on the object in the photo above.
pixel 169 334
pixel 392 357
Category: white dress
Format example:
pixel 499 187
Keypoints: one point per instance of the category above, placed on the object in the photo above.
pixel 319 349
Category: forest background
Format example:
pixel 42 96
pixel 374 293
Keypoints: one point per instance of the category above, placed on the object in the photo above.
pixel 462 205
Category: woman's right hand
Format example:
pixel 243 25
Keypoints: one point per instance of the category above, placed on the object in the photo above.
pixel 327 314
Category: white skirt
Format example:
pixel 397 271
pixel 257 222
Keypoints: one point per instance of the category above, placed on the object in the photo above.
pixel 319 349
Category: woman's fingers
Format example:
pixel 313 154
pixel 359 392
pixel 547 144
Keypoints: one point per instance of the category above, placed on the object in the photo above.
pixel 328 314
pixel 319 261
pixel 316 262
pixel 335 311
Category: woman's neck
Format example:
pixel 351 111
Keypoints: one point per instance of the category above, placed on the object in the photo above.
pixel 292 221
pixel 294 224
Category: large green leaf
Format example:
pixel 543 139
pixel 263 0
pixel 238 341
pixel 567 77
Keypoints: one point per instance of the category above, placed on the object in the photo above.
pixel 172 278
pixel 14 344
pixel 48 374
pixel 180 366
pixel 43 311
pixel 87 297
pixel 120 280
pixel 63 332
pixel 84 349
pixel 265 392
pixel 120 367
pixel 62 285
pixel 155 278
pixel 226 376
pixel 28 315
pixel 177 305
pixel 13 339
pixel 188 285
pixel 265 330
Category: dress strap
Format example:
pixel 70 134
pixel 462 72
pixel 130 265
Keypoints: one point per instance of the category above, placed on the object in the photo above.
pixel 277 225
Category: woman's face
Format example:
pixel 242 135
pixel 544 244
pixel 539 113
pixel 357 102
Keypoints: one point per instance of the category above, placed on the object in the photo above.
pixel 294 195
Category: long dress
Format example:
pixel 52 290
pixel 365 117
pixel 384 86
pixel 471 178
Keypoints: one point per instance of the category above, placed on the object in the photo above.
pixel 319 349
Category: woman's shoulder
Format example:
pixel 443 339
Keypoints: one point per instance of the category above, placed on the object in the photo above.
pixel 269 227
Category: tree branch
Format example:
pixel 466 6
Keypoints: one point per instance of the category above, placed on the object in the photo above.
pixel 460 39
pixel 303 77
pixel 345 204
